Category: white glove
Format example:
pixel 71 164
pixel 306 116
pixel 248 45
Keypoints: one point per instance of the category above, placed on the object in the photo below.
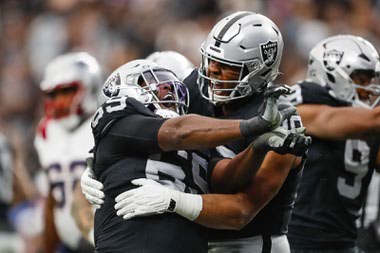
pixel 153 198
pixel 92 189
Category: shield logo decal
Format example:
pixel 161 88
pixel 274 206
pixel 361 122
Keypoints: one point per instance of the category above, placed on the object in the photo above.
pixel 269 52
pixel 110 87
pixel 331 59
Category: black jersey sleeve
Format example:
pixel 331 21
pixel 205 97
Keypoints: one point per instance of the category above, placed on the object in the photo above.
pixel 312 93
pixel 134 134
pixel 114 109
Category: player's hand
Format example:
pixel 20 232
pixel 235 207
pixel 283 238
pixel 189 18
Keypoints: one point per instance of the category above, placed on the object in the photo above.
pixel 270 116
pixel 92 188
pixel 149 199
pixel 283 141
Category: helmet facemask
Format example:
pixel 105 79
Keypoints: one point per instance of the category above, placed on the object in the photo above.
pixel 164 91
pixel 77 73
pixel 63 104
pixel 243 84
pixel 248 42
pixel 366 84
pixel 156 87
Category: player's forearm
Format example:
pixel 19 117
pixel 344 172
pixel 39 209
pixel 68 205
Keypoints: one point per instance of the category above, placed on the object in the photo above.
pixel 197 132
pixel 229 175
pixel 50 238
pixel 229 211
pixel 81 211
pixel 340 123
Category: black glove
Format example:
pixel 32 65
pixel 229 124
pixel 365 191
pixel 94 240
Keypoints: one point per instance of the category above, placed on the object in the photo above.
pixel 283 142
pixel 269 116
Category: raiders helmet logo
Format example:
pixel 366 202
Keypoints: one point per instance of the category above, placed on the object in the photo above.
pixel 110 87
pixel 331 59
pixel 269 52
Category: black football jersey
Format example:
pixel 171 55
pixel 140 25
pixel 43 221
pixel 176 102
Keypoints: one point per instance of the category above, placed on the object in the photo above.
pixel 334 183
pixel 273 218
pixel 126 148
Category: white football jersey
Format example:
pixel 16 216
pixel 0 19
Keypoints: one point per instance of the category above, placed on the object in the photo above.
pixel 62 154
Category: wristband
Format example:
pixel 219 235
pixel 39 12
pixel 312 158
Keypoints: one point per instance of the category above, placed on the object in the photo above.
pixel 187 205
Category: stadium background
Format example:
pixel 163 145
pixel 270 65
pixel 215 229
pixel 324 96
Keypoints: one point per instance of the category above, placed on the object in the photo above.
pixel 32 32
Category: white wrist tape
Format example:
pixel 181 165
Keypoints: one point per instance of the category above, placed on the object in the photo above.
pixel 187 205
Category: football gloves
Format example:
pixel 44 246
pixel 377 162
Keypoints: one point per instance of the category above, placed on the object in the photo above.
pixel 283 142
pixel 92 188
pixel 153 198
pixel 270 117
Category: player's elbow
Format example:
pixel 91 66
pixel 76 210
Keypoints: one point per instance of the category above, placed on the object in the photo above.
pixel 243 219
pixel 246 213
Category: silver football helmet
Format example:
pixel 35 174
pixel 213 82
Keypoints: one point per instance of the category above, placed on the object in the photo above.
pixel 143 80
pixel 246 40
pixel 333 61
pixel 174 61
pixel 76 69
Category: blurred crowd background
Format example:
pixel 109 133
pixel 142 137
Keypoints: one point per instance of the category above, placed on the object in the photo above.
pixel 32 32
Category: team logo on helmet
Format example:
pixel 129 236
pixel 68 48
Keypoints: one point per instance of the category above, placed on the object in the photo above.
pixel 269 52
pixel 331 59
pixel 110 87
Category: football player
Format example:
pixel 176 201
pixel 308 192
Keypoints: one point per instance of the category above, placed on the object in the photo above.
pixel 337 105
pixel 137 134
pixel 241 57
pixel 63 140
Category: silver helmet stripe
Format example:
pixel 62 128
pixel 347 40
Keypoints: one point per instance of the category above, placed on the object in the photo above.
pixel 228 25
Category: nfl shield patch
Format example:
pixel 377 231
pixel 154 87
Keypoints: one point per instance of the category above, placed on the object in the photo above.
pixel 331 59
pixel 269 52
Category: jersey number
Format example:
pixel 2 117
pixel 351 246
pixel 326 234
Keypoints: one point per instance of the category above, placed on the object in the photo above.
pixel 58 184
pixel 176 174
pixel 356 159
pixel 114 104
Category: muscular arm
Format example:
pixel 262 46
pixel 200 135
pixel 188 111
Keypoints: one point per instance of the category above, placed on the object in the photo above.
pixel 234 211
pixel 197 132
pixel 81 210
pixel 339 122
pixel 50 236
pixel 230 174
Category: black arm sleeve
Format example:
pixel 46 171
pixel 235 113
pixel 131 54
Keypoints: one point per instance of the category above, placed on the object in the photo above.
pixel 133 134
